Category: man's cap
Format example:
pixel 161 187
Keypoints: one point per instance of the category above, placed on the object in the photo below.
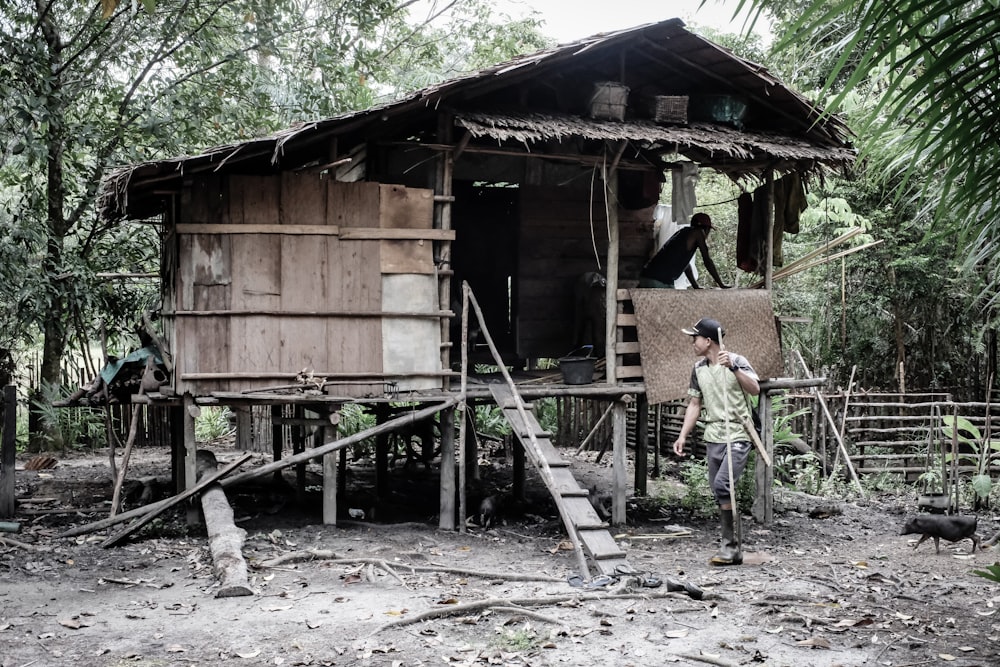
pixel 706 327
pixel 701 220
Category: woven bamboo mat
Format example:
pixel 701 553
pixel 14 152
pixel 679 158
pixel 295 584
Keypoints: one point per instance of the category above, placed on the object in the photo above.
pixel 748 325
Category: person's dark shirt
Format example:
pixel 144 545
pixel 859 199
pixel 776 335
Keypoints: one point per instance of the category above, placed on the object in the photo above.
pixel 669 262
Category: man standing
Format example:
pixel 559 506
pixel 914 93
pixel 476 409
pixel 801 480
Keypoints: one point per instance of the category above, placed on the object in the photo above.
pixel 674 258
pixel 720 381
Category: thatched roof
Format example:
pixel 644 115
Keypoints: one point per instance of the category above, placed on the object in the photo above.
pixel 713 141
pixel 546 88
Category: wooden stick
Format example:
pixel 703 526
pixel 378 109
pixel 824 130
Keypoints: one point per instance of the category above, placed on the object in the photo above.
pixel 458 609
pixel 729 453
pixel 159 508
pixel 335 445
pixel 594 430
pixel 462 409
pixel 751 430
pixel 833 425
pixel 543 468
pixel 126 455
pixel 843 416
pixel 10 542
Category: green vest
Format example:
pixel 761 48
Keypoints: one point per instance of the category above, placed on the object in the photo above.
pixel 719 390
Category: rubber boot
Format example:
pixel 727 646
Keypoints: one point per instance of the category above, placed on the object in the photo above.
pixel 729 552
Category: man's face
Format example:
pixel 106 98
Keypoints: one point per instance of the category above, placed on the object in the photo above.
pixel 701 344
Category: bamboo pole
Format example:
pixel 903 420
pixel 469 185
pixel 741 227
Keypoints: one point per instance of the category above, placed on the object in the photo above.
pixel 833 425
pixel 544 470
pixel 594 430
pixel 462 407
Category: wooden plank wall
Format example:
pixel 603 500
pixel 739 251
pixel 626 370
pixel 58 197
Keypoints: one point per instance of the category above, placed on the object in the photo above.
pixel 283 302
pixel 556 247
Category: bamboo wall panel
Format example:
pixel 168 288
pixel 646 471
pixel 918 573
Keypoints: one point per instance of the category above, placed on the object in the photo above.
pixel 747 318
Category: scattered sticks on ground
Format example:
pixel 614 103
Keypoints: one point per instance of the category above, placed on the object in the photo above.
pixel 500 603
pixel 331 556
pixel 10 542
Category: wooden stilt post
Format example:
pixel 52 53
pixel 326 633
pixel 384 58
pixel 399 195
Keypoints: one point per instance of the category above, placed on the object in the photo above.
pixel 618 465
pixel 382 453
pixel 191 412
pixel 641 444
pixel 8 451
pixel 277 437
pixel 329 482
pixel 763 507
pixel 446 520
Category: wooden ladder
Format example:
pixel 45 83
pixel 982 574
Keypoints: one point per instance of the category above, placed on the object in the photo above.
pixel 582 522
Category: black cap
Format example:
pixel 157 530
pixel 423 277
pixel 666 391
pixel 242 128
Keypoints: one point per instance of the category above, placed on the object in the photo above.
pixel 706 327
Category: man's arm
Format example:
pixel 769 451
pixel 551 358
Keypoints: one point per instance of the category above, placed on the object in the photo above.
pixel 691 414
pixel 689 272
pixel 709 264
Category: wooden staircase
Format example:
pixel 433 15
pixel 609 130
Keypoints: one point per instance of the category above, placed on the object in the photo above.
pixel 584 526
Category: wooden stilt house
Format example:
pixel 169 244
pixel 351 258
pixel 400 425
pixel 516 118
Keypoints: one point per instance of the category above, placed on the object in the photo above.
pixel 336 249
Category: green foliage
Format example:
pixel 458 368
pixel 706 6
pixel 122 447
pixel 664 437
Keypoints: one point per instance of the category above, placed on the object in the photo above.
pixel 515 639
pixel 699 499
pixel 912 76
pixel 354 419
pixel 83 94
pixel 992 572
pixel 968 436
pixel 213 423
pixel 68 428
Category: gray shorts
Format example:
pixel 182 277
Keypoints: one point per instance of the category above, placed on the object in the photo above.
pixel 718 468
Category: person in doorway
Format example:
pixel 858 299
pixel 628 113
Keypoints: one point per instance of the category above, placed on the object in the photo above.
pixel 720 381
pixel 674 258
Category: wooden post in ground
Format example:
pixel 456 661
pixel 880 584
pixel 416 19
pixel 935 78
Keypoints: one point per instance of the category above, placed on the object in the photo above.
pixel 382 453
pixel 618 463
pixel 449 491
pixel 763 506
pixel 329 481
pixel 8 452
pixel 191 411
pixel 641 444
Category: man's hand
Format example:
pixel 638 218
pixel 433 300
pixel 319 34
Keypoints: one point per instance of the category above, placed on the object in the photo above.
pixel 679 447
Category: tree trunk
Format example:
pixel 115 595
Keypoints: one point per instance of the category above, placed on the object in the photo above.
pixel 225 538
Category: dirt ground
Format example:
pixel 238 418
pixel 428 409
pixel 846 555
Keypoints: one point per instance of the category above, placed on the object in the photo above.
pixel 827 584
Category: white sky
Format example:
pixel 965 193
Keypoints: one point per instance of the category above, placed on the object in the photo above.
pixel 569 20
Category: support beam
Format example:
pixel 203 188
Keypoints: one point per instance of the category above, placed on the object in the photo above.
pixel 8 452
pixel 191 412
pixel 641 444
pixel 449 491
pixel 763 506
pixel 618 464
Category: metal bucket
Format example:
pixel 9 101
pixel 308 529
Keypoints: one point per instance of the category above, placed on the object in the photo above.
pixel 577 370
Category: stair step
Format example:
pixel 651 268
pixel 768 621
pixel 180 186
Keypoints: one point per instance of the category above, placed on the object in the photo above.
pixel 574 493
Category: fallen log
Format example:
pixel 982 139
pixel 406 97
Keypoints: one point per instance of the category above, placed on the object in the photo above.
pixel 154 510
pixel 225 538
